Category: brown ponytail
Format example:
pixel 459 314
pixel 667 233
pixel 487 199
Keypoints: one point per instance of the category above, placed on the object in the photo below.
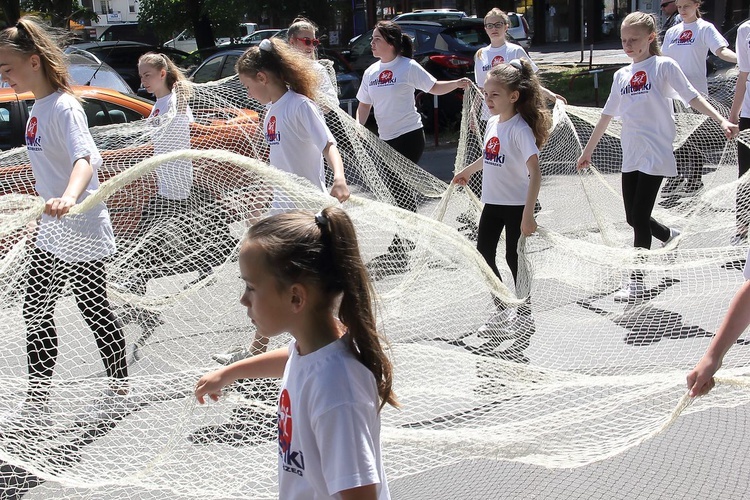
pixel 322 250
pixel 392 34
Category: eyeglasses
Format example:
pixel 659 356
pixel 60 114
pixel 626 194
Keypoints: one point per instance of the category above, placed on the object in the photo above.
pixel 309 41
pixel 497 25
pixel 664 4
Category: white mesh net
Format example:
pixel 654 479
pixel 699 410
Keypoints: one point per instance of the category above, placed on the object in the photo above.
pixel 580 398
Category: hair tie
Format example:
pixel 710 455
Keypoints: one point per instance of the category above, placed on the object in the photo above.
pixel 266 45
pixel 321 220
pixel 516 63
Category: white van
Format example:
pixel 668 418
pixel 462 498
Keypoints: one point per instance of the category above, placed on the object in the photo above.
pixel 248 29
pixel 185 41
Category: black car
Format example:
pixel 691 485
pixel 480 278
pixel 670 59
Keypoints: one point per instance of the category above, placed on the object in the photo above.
pixel 123 56
pixel 221 65
pixel 444 48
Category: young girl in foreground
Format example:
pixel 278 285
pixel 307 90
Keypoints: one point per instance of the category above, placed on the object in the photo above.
pixel 70 250
pixel 296 266
pixel 519 126
pixel 701 379
pixel 641 94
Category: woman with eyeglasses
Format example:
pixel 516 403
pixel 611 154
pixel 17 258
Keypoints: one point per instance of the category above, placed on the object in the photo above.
pixel 301 35
pixel 388 86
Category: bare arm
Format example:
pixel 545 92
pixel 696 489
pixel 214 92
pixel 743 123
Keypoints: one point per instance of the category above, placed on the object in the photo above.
pixel 727 55
pixel 739 96
pixel 528 224
pixel 443 87
pixel 601 127
pixel 79 179
pixel 267 365
pixel 339 190
pixel 363 111
pixel 369 492
pixel 700 381
pixel 464 175
pixel 700 104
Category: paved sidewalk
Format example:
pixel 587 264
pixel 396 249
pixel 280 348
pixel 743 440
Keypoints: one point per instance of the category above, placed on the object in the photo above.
pixel 569 54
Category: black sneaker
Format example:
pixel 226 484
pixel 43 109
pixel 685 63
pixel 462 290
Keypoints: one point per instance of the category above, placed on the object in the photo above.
pixel 690 188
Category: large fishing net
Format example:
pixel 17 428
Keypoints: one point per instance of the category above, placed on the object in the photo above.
pixel 569 394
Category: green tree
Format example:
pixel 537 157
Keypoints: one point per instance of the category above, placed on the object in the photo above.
pixel 11 11
pixel 58 12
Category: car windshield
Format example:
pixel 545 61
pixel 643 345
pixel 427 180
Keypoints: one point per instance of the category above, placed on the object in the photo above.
pixel 104 77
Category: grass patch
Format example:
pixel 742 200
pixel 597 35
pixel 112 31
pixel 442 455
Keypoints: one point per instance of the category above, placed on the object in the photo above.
pixel 582 92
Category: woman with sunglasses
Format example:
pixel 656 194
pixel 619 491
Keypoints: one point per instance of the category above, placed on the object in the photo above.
pixel 388 86
pixel 301 35
pixel 669 9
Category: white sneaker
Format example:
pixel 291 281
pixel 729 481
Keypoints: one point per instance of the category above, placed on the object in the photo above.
pixel 111 406
pixel 499 323
pixel 234 354
pixel 632 291
pixel 673 233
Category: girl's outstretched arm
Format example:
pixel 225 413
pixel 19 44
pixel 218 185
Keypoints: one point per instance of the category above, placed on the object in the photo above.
pixel 267 365
pixel 729 128
pixel 369 492
pixel 701 379
pixel 443 87
pixel 462 178
pixel 339 190
pixel 727 55
pixel 79 179
pixel 528 223
pixel 601 127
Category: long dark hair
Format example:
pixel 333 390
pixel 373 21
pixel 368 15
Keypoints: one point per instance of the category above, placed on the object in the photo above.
pixel 322 251
pixel 30 37
pixel 287 65
pixel 518 75
pixel 392 34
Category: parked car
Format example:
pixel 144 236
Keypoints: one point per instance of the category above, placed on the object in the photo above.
pixel 185 42
pixel 445 49
pixel 87 69
pixel 123 56
pixel 430 15
pixel 221 65
pixel 102 107
pixel 259 36
pixel 133 32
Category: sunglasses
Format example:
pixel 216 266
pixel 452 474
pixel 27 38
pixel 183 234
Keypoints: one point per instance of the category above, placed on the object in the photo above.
pixel 664 4
pixel 499 25
pixel 309 41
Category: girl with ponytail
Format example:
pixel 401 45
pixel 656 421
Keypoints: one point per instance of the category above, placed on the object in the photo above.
pixel 642 96
pixel 303 274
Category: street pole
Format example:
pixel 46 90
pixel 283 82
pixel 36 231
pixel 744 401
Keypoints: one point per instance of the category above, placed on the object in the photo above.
pixel 583 34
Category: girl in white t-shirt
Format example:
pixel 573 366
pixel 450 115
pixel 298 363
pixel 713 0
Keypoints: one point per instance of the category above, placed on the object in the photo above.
pixel 641 94
pixel 688 43
pixel 740 114
pixel 701 379
pixel 518 127
pixel 304 274
pixel 388 87
pixel 69 250
pixel 301 36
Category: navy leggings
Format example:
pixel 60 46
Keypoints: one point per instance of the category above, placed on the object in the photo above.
pixel 411 145
pixel 639 193
pixel 47 280
pixel 491 223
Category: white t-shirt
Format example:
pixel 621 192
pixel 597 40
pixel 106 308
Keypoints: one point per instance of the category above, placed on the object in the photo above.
pixel 507 147
pixel 297 135
pixel 329 425
pixel 746 271
pixel 57 135
pixel 389 88
pixel 488 57
pixel 743 62
pixel 642 95
pixel 175 179
pixel 327 88
pixel 688 44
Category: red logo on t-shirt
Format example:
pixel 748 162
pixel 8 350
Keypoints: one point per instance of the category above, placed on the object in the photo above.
pixel 285 422
pixel 271 127
pixel 31 130
pixel 497 60
pixel 639 80
pixel 386 76
pixel 155 113
pixel 492 151
pixel 686 36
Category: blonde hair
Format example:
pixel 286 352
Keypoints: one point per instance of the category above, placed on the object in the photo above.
pixel 518 75
pixel 162 62
pixel 648 23
pixel 283 62
pixel 30 37
pixel 322 251
pixel 300 24
pixel 699 3
pixel 495 12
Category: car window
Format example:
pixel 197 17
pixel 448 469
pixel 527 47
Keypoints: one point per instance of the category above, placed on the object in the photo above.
pixel 104 113
pixel 228 69
pixel 209 71
pixel 418 37
pixel 515 21
pixel 6 127
pixel 361 46
pixel 468 37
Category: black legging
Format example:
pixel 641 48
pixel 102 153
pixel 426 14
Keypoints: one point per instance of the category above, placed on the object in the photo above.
pixel 491 223
pixel 47 279
pixel 410 145
pixel 639 193
pixel 743 191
